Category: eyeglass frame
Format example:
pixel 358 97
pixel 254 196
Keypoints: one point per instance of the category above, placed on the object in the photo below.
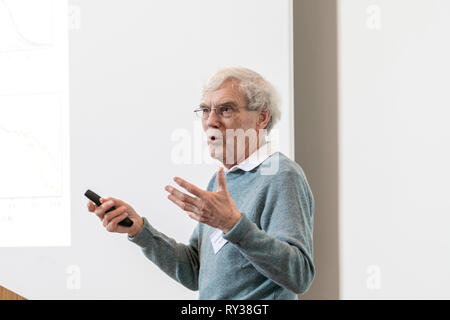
pixel 224 105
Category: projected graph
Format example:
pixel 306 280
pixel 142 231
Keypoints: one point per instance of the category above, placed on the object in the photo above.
pixel 30 140
pixel 34 124
pixel 26 25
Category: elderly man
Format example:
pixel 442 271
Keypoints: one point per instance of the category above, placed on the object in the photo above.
pixel 254 239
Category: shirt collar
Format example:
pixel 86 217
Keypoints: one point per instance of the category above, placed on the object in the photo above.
pixel 255 159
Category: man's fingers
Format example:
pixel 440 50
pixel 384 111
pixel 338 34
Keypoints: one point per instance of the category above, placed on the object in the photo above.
pixel 113 224
pixel 196 217
pixel 192 211
pixel 182 196
pixel 221 181
pixel 108 217
pixel 91 206
pixel 183 205
pixel 190 187
pixel 105 206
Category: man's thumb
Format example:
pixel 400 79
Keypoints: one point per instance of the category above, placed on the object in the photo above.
pixel 222 182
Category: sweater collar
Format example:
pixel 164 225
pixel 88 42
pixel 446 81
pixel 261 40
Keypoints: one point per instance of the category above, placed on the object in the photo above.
pixel 255 159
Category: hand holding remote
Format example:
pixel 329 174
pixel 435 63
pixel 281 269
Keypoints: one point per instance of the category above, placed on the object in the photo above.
pixel 112 218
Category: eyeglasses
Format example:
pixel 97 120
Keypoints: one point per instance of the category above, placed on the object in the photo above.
pixel 222 111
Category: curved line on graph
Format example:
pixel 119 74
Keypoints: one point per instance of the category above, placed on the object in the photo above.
pixel 16 29
pixel 33 143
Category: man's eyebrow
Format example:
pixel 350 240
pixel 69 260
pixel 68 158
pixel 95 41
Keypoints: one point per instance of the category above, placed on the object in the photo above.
pixel 226 102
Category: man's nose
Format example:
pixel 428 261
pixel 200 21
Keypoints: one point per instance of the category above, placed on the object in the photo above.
pixel 213 119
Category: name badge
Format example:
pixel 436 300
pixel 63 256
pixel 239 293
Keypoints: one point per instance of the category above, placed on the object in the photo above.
pixel 217 240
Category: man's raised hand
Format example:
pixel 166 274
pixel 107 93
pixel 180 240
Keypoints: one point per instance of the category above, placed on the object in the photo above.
pixel 216 209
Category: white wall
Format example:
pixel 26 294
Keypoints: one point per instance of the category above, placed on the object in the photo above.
pixel 136 71
pixel 394 148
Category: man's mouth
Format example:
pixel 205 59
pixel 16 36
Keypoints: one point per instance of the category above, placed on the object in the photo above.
pixel 214 139
pixel 214 136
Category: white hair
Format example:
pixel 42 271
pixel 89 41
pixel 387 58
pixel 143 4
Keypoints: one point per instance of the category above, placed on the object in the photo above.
pixel 261 94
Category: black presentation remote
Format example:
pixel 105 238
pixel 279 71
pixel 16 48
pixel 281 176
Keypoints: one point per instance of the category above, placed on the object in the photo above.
pixel 91 195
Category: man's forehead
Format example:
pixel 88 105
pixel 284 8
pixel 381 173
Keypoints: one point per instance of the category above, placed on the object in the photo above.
pixel 229 91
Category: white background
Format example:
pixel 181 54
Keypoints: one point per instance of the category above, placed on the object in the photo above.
pixel 394 149
pixel 136 72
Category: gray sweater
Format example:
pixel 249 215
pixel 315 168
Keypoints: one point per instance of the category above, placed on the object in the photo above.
pixel 269 253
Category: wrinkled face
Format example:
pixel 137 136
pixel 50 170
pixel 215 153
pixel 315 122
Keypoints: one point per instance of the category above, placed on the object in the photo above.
pixel 226 143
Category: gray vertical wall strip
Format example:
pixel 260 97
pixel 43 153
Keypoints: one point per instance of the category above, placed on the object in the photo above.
pixel 316 131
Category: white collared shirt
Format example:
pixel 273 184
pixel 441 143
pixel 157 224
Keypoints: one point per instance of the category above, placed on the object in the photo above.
pixel 255 159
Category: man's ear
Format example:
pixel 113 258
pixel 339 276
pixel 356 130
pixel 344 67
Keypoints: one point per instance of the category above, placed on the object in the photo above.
pixel 263 119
